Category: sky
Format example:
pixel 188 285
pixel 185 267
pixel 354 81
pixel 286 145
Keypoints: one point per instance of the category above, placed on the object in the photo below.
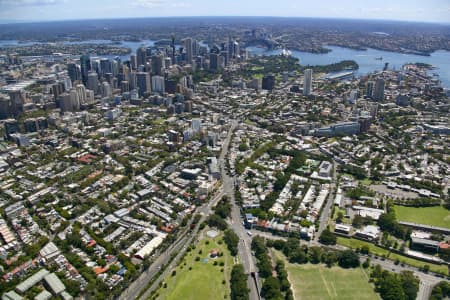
pixel 436 11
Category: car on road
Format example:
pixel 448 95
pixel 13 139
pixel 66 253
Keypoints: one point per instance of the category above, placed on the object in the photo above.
pixel 249 233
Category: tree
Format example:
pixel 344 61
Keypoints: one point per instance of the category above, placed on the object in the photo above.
pixel 357 221
pixel 366 263
pixel 298 256
pixel 217 221
pixel 329 258
pixel 327 238
pixel 348 259
pixel 315 255
pixel 271 289
pixel 238 283
pixel 410 284
pixel 390 288
pixel 232 241
pixel 441 291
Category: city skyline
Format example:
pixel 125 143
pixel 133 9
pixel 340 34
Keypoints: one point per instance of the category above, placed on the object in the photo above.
pixel 434 11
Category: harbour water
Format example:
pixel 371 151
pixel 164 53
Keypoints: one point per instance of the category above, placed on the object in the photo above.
pixel 369 60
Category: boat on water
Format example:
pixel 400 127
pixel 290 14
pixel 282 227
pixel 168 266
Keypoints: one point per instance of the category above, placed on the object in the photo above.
pixel 379 58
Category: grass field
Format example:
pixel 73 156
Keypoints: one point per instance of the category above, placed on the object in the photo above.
pixel 434 216
pixel 204 281
pixel 353 243
pixel 317 282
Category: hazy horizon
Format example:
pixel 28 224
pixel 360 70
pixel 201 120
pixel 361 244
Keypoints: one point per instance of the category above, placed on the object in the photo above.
pixel 17 21
pixel 28 11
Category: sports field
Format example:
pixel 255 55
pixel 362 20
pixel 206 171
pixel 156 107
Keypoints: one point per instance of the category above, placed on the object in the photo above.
pixel 434 216
pixel 204 280
pixel 317 282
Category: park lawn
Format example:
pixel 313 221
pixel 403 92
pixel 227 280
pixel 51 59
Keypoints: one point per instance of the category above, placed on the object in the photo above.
pixel 378 251
pixel 204 281
pixel 317 282
pixel 434 216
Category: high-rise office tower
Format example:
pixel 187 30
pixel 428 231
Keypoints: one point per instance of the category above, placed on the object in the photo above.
pixel 126 73
pixel 369 89
pixel 57 89
pixel 106 90
pixel 90 97
pixel 115 66
pixel 64 102
pixel 81 93
pixel 141 56
pixel 132 80
pixel 74 71
pixel 188 48
pixel 92 82
pixel 143 83
pixel 17 98
pixel 378 93
pixel 85 63
pixel 173 49
pixel 95 66
pixel 133 62
pixel 307 82
pixel 158 84
pixel 67 82
pixel 74 101
pixel 5 108
pixel 214 61
pixel 124 86
pixel 158 64
pixel 268 82
pixel 105 67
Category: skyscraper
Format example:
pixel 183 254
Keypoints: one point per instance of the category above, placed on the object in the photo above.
pixel 173 49
pixel 369 89
pixel 85 63
pixel 105 67
pixel 106 90
pixel 268 82
pixel 141 56
pixel 158 84
pixel 133 62
pixel 143 83
pixel 307 82
pixel 189 50
pixel 17 101
pixel 157 64
pixel 378 94
pixel 5 108
pixel 92 82
pixel 74 71
pixel 81 93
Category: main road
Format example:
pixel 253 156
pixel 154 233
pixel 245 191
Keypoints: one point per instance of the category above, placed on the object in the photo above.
pixel 244 250
pixel 325 215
